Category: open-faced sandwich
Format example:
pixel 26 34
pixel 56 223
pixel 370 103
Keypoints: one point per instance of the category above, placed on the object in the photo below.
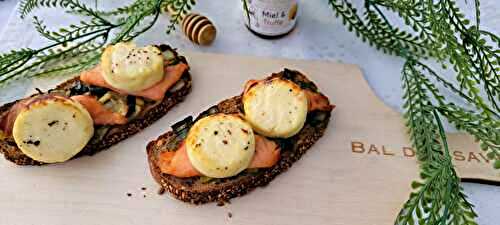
pixel 130 89
pixel 242 142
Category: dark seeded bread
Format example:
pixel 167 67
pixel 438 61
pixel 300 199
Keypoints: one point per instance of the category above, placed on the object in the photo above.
pixel 195 192
pixel 115 134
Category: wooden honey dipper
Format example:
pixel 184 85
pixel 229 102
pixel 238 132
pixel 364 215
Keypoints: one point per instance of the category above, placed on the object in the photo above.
pixel 197 28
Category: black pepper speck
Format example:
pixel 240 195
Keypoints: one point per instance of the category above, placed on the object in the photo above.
pixel 52 123
pixel 31 142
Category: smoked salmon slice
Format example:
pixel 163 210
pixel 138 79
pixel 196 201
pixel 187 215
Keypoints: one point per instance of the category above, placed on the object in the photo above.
pixel 318 101
pixel 176 163
pixel 156 92
pixel 100 114
pixel 94 77
pixel 8 119
pixel 267 153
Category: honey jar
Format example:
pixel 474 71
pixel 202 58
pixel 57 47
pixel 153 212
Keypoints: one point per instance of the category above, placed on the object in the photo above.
pixel 270 18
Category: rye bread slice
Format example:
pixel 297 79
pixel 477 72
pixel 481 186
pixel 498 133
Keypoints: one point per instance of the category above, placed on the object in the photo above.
pixel 195 191
pixel 115 133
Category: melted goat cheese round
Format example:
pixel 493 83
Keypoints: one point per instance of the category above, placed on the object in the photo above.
pixel 276 107
pixel 220 145
pixel 52 129
pixel 131 68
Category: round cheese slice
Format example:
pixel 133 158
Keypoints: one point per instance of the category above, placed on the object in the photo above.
pixel 130 68
pixel 52 129
pixel 220 145
pixel 276 107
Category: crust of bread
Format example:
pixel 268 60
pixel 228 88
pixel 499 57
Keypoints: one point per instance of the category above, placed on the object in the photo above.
pixel 115 134
pixel 188 190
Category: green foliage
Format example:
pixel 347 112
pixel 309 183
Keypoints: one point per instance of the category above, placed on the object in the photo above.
pixel 474 60
pixel 438 197
pixel 135 22
pixel 135 6
pixel 27 6
pixel 392 37
pixel 71 32
pixel 483 128
pixel 440 31
pixel 78 46
pixel 377 31
pixel 180 8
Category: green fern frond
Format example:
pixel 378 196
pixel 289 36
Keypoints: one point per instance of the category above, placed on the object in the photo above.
pixel 41 28
pixel 473 59
pixel 84 60
pixel 393 37
pixel 180 8
pixel 349 18
pixel 415 16
pixel 130 26
pixel 483 128
pixel 14 60
pixel 418 106
pixel 27 6
pixel 375 29
pixel 134 7
pixel 438 197
pixel 71 32
pixel 493 38
pixel 75 6
pixel 477 10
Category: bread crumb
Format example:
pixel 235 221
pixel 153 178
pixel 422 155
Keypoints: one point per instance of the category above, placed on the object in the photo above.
pixel 161 191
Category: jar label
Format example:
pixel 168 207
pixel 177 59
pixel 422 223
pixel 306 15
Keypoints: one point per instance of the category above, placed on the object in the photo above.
pixel 271 17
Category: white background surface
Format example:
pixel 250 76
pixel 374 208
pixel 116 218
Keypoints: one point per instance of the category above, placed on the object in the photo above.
pixel 318 36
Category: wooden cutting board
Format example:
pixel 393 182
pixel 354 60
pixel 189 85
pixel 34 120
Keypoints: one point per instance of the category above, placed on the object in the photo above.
pixel 358 173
